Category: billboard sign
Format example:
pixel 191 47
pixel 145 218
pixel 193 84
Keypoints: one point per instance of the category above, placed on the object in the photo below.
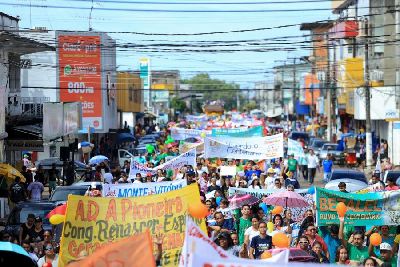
pixel 79 59
pixel 144 67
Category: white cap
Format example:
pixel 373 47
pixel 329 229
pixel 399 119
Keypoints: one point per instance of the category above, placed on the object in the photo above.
pixel 385 246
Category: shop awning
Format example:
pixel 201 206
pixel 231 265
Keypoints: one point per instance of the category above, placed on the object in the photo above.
pixel 22 45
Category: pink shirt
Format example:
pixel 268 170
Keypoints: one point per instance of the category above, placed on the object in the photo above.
pixel 391 188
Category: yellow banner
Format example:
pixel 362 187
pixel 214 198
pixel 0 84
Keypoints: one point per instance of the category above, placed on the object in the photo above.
pixel 93 222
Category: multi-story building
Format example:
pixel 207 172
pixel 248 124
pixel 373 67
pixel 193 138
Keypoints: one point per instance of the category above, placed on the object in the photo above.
pixel 364 48
pixel 129 99
pixel 287 82
pixel 18 119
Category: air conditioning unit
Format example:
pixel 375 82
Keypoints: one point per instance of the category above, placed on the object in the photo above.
pixel 361 28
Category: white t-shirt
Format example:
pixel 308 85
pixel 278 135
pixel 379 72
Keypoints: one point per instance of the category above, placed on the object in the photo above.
pixel 108 178
pixel 312 161
pixel 251 233
pixel 54 262
pixel 269 182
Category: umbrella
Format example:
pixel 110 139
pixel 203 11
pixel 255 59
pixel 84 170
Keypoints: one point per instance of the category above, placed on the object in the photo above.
pixel 14 255
pixel 295 254
pixel 287 199
pixel 97 159
pixel 238 200
pixel 125 137
pixel 10 173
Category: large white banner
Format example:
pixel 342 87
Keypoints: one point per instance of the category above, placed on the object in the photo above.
pixel 182 134
pixel 204 260
pixel 139 190
pixel 197 244
pixel 252 148
pixel 188 158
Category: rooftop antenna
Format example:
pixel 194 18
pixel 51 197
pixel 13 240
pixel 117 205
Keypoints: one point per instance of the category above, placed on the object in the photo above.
pixel 90 18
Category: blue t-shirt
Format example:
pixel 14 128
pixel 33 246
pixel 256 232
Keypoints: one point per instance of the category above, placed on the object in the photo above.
pixel 332 244
pixel 327 165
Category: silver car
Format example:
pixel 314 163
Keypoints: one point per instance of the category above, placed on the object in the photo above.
pixel 330 148
pixel 354 179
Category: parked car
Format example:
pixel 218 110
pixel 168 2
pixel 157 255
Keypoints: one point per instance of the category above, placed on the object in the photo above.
pixel 20 212
pixel 60 195
pixel 316 145
pixel 355 180
pixel 331 148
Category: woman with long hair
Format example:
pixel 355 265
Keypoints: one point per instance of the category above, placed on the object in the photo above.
pixel 342 256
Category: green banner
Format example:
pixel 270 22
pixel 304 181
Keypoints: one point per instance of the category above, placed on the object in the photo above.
pixel 378 208
pixel 238 132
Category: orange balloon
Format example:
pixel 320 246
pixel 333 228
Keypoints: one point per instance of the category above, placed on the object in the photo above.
pixel 198 210
pixel 341 209
pixel 375 239
pixel 277 210
pixel 280 240
pixel 266 255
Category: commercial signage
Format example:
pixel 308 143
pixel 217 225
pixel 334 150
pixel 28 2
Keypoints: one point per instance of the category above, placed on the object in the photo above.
pixel 93 222
pixel 144 67
pixel 79 59
pixel 378 208
pixel 21 145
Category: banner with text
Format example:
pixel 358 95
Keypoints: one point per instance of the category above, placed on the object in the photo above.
pixel 238 132
pixel 182 134
pixel 93 222
pixel 198 243
pixel 295 148
pixel 378 208
pixel 297 213
pixel 252 148
pixel 188 158
pixel 143 189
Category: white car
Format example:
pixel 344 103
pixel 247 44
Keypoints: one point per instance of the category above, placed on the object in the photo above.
pixel 354 179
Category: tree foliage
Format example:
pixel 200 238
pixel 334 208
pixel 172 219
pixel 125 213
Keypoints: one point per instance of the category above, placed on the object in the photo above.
pixel 214 89
pixel 178 104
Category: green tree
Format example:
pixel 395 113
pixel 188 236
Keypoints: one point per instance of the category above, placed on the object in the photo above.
pixel 214 89
pixel 178 104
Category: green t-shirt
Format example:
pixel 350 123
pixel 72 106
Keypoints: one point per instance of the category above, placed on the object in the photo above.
pixel 292 165
pixel 243 225
pixel 393 262
pixel 357 254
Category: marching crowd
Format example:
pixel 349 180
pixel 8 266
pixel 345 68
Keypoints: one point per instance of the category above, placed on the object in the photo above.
pixel 245 231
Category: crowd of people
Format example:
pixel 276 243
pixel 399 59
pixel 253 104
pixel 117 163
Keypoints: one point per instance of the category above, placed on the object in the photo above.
pixel 244 232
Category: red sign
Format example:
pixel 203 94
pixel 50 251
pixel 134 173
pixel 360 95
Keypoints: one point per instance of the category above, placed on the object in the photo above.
pixel 79 59
pixel 344 29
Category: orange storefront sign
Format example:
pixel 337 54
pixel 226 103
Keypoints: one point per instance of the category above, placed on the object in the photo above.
pixel 312 91
pixel 79 62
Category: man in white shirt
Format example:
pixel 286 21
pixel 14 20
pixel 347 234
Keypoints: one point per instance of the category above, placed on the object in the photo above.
pixel 313 164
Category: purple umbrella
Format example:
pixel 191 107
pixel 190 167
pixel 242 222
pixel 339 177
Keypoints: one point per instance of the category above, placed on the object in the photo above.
pixel 286 199
pixel 238 200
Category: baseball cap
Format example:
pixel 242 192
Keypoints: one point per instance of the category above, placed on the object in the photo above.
pixel 38 219
pixel 385 246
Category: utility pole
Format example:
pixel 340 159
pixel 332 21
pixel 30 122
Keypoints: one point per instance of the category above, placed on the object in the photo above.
pixel 294 86
pixel 328 92
pixel 368 134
